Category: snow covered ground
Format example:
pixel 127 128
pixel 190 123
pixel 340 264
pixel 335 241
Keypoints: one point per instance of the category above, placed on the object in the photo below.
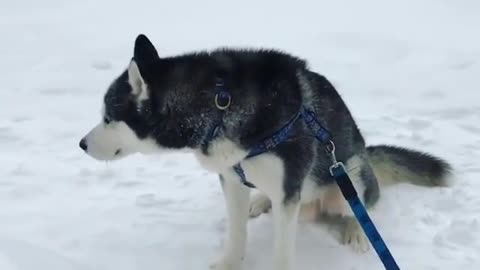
pixel 409 70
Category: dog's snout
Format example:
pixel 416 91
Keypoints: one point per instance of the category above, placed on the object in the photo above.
pixel 83 144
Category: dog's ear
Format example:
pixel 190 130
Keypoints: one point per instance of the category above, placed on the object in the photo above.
pixel 136 81
pixel 144 52
pixel 140 68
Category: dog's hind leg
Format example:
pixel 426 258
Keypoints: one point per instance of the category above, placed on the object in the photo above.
pixel 354 236
pixel 259 204
pixel 237 198
pixel 365 183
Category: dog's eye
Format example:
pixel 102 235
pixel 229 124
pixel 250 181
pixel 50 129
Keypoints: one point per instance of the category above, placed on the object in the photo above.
pixel 106 120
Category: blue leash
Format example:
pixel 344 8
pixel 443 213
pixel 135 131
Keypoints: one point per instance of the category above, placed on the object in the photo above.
pixel 341 177
pixel 337 170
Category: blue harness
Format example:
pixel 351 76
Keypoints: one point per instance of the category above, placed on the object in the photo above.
pixel 337 169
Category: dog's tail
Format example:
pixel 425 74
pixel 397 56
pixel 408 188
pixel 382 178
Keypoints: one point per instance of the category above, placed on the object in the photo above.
pixel 396 165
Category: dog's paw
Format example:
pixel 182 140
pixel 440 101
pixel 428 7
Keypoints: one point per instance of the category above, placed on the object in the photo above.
pixel 259 204
pixel 226 264
pixel 354 236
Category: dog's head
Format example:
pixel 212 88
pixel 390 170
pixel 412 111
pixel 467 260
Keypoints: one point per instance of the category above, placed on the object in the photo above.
pixel 138 113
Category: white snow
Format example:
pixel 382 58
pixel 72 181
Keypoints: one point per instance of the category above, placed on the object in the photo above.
pixel 409 70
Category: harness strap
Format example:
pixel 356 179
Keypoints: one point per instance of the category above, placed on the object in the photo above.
pixel 282 135
pixel 278 137
pixel 241 173
pixel 264 146
pixel 321 133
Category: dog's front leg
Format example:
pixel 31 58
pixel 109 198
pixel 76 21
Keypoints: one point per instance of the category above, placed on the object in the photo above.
pixel 237 198
pixel 285 217
pixel 283 186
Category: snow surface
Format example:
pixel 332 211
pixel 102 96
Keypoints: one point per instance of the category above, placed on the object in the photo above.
pixel 409 70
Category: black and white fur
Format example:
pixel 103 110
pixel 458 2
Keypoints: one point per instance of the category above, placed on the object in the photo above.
pixel 161 104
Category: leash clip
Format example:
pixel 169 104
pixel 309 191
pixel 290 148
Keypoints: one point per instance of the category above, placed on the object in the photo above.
pixel 335 166
pixel 330 148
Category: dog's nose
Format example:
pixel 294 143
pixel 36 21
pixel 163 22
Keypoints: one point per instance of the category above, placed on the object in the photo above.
pixel 83 145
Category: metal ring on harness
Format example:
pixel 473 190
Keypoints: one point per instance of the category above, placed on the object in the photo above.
pixel 223 100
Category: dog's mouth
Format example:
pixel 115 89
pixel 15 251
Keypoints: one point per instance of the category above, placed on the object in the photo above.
pixel 104 155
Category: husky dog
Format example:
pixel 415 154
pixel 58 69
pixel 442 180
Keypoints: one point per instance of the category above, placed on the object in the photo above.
pixel 161 104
